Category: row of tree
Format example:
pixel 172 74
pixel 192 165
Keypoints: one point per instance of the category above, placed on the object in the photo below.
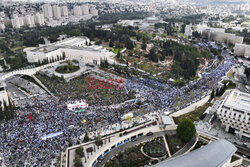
pixel 7 112
pixel 247 72
pixel 79 153
pixel 218 92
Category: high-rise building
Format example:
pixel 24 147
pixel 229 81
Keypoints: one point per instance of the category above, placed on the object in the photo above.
pixel 27 20
pixel 39 19
pixel 93 12
pixel 77 11
pixel 85 10
pixel 64 11
pixel 32 19
pixel 2 27
pixel 56 11
pixel 15 22
pixel 47 11
pixel 21 22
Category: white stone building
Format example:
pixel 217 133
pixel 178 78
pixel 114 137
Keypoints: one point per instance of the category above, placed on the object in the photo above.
pixel 242 50
pixel 3 93
pixel 234 113
pixel 39 19
pixel 188 30
pixel 77 11
pixel 64 11
pixel 21 21
pixel 93 12
pixel 219 35
pixel 2 27
pixel 56 11
pixel 85 9
pixel 29 21
pixel 47 11
pixel 15 22
pixel 73 48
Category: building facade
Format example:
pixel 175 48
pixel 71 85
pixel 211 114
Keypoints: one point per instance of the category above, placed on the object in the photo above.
pixel 219 35
pixel 85 10
pixel 2 27
pixel 56 11
pixel 72 48
pixel 64 11
pixel 77 11
pixel 15 22
pixel 242 50
pixel 47 11
pixel 234 113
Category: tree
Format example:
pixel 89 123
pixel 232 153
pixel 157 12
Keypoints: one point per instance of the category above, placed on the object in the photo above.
pixel 79 151
pixel 196 34
pixel 78 161
pixel 86 137
pixel 90 150
pixel 1 112
pixel 211 95
pixel 143 46
pixel 63 55
pixel 247 72
pixel 110 164
pixel 12 112
pixel 129 44
pixel 217 92
pixel 7 111
pixel 152 55
pixel 111 43
pixel 70 143
pixel 98 141
pixel 186 130
pixel 118 54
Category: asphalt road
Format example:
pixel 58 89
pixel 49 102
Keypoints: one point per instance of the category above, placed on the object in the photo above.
pixel 126 145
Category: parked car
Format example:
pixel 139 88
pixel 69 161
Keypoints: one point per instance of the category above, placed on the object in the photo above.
pixel 149 133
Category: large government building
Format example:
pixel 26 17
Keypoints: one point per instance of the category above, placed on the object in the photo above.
pixel 72 48
pixel 234 113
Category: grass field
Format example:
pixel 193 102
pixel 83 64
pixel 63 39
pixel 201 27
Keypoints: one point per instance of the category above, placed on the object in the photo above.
pixel 194 115
pixel 174 143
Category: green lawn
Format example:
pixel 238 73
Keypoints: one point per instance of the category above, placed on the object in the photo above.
pixel 194 115
pixel 131 157
pixel 149 67
pixel 77 90
pixel 116 50
pixel 174 143
pixel 234 158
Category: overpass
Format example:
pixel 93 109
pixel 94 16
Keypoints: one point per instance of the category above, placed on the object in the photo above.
pixel 28 72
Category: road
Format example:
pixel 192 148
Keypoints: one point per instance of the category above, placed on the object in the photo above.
pixel 126 145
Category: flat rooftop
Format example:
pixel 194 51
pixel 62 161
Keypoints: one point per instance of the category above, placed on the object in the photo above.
pixel 70 43
pixel 167 120
pixel 239 101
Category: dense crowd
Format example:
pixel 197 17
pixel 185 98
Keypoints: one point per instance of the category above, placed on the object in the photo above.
pixel 165 96
pixel 21 138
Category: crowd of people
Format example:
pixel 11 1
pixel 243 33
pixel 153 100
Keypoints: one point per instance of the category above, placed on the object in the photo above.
pixel 21 138
pixel 166 96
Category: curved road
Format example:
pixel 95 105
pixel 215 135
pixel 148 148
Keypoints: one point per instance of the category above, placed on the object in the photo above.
pixel 141 139
pixel 121 148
